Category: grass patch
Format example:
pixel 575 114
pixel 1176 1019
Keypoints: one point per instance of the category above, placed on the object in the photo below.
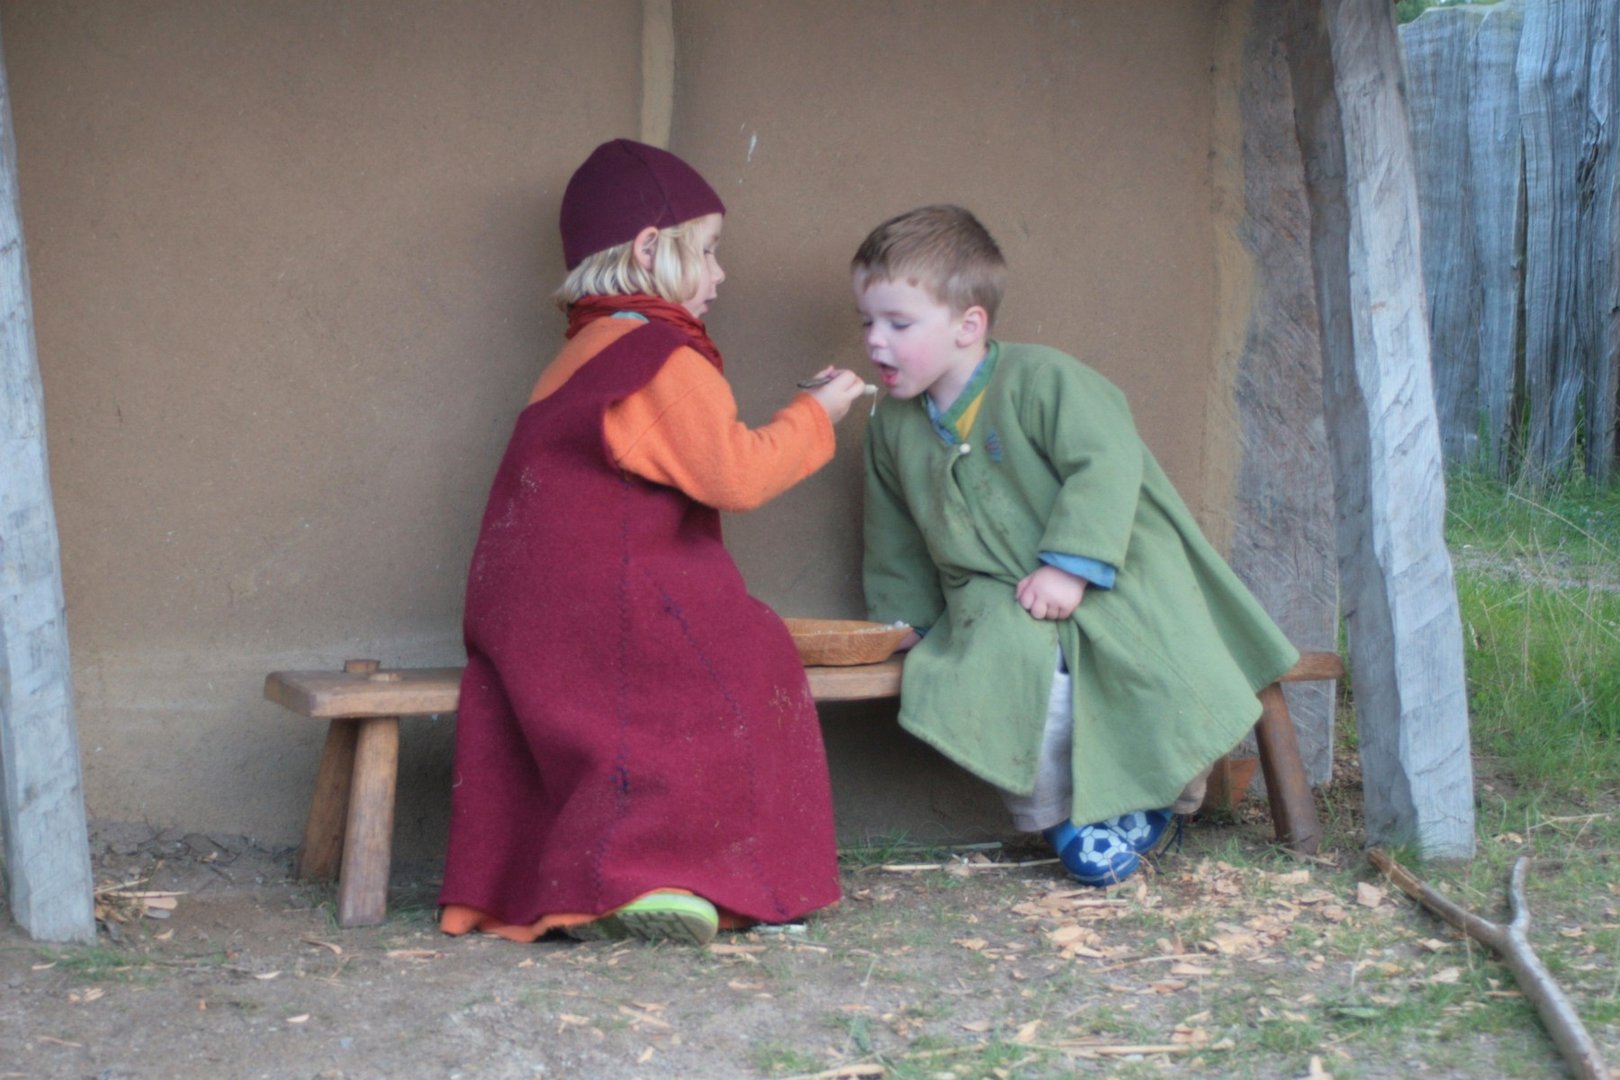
pixel 777 1059
pixel 900 847
pixel 99 963
pixel 992 1059
pixel 1574 520
pixel 1538 587
pixel 1538 584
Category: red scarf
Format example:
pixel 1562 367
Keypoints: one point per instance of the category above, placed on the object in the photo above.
pixel 588 309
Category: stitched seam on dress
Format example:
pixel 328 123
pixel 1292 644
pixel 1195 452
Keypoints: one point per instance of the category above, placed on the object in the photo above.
pixel 674 610
pixel 621 762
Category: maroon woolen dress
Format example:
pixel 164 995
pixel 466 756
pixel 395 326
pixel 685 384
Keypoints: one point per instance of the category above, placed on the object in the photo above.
pixel 630 719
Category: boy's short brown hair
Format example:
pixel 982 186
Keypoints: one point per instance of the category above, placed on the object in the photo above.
pixel 942 249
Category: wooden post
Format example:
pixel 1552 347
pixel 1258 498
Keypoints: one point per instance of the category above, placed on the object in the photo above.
pixel 657 71
pixel 1282 542
pixel 47 846
pixel 1398 596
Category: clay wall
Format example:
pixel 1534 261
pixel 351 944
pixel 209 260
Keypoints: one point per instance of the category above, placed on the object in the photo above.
pixel 290 266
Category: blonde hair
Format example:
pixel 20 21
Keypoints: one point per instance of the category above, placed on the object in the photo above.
pixel 941 249
pixel 677 269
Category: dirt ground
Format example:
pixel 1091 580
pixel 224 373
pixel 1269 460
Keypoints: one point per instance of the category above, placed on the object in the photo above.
pixel 1232 959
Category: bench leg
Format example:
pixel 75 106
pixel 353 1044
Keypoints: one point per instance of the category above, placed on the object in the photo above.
pixel 1293 809
pixel 369 833
pixel 323 834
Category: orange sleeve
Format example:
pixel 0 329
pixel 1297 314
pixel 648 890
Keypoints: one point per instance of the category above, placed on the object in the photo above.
pixel 681 429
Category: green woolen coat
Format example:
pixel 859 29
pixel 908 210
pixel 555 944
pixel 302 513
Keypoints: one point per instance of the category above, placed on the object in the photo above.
pixel 1166 664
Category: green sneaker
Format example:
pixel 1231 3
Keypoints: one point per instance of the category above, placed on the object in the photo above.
pixel 658 916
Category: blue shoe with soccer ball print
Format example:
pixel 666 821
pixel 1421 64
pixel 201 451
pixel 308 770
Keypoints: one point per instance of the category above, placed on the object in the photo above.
pixel 1142 829
pixel 1093 854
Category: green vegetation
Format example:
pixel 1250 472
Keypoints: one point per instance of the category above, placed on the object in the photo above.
pixel 98 963
pixel 1538 583
pixel 992 1059
pixel 777 1059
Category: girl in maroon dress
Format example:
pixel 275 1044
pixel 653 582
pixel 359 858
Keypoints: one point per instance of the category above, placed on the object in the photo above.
pixel 637 750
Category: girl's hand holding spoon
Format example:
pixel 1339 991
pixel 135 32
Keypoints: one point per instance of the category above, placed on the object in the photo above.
pixel 836 389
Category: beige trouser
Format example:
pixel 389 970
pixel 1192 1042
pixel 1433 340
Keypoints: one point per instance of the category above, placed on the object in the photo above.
pixel 1049 803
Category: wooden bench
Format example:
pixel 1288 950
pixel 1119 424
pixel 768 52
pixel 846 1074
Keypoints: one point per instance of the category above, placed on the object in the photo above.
pixel 349 834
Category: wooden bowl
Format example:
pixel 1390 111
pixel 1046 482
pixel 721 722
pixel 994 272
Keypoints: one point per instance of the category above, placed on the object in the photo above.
pixel 844 642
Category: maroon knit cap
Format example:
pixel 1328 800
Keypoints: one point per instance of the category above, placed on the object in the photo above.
pixel 623 187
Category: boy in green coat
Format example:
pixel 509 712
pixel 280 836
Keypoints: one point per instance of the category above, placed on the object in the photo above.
pixel 1005 485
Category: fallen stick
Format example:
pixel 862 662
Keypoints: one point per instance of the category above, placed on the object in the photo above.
pixel 1167 958
pixel 963 867
pixel 844 1072
pixel 1512 944
pixel 1084 1049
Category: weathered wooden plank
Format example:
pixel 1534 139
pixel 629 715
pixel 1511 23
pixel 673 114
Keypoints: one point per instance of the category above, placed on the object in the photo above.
pixel 1517 157
pixel 47 847
pixel 1567 96
pixel 1495 178
pixel 1439 78
pixel 859 683
pixel 1314 667
pixel 342 695
pixel 1395 575
pixel 1600 244
pixel 1552 379
pixel 1282 537
pixel 331 695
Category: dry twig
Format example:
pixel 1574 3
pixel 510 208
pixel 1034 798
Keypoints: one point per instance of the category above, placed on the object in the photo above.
pixel 845 1072
pixel 962 867
pixel 1512 944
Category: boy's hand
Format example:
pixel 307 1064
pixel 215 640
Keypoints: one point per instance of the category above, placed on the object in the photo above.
pixel 1050 593
pixel 841 390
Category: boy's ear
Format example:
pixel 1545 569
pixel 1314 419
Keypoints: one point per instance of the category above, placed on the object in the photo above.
pixel 973 326
pixel 642 247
